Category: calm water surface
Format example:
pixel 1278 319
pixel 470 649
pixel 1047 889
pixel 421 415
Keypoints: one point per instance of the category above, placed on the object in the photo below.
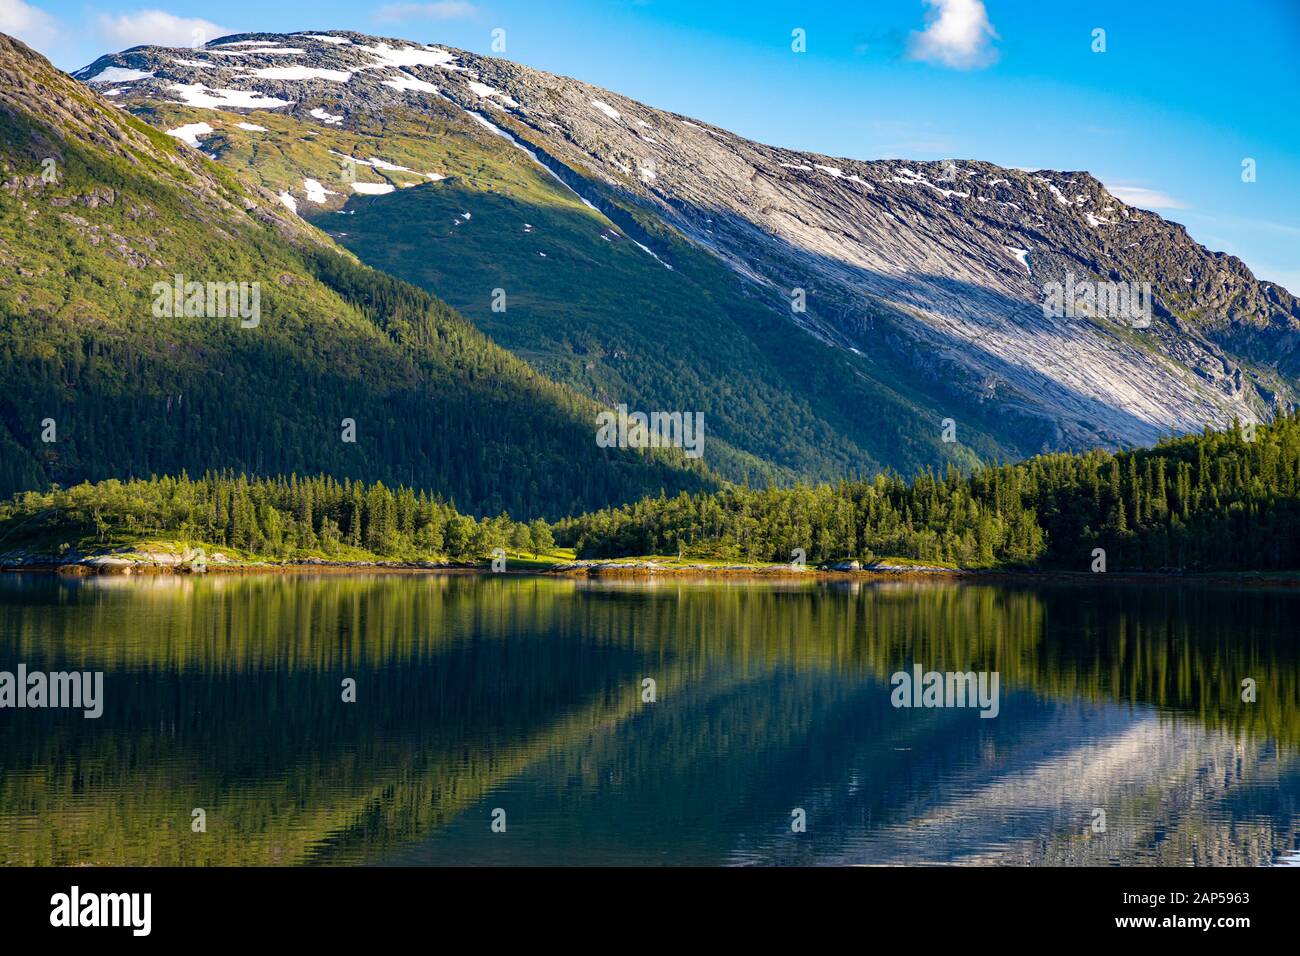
pixel 525 694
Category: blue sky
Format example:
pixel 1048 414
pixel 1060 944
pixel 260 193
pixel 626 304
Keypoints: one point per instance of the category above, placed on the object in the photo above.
pixel 1184 92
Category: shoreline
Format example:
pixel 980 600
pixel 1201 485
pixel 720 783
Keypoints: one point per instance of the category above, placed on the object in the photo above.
pixel 633 569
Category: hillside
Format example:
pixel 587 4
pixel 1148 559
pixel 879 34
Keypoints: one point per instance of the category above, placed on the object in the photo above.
pixel 96 207
pixel 650 258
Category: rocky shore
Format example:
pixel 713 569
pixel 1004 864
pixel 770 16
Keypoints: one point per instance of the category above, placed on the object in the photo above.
pixel 134 561
pixel 184 561
pixel 154 561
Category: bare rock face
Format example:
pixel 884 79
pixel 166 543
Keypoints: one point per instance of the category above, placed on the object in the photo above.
pixel 986 286
pixel 26 79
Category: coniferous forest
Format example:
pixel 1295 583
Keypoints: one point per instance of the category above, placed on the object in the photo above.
pixel 1216 501
pixel 275 518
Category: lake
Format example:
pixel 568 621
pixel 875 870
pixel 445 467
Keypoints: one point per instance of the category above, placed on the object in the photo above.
pixel 506 719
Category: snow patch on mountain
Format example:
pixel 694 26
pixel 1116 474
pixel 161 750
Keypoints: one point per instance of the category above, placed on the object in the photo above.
pixel 302 73
pixel 316 192
pixel 412 56
pixel 191 132
pixel 1021 256
pixel 276 51
pixel 485 91
pixel 118 74
pixel 200 96
pixel 407 83
pixel 376 163
pixel 329 119
pixel 385 164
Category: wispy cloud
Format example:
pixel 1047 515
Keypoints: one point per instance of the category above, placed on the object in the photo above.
pixel 30 24
pixel 1242 222
pixel 157 28
pixel 908 139
pixel 444 10
pixel 1144 198
pixel 957 35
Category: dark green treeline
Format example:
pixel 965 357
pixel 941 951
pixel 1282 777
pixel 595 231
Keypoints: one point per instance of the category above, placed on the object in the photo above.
pixel 1216 501
pixel 1219 500
pixel 278 517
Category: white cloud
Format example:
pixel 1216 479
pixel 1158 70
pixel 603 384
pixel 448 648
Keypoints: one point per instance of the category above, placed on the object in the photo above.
pixel 443 10
pixel 957 34
pixel 1144 198
pixel 157 28
pixel 30 24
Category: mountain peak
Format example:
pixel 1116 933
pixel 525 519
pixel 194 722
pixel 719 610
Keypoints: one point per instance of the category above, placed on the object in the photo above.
pixel 162 313
pixel 930 279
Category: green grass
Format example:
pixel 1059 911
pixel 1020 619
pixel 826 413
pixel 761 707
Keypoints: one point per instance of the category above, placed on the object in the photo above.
pixel 913 563
pixel 436 404
pixel 595 311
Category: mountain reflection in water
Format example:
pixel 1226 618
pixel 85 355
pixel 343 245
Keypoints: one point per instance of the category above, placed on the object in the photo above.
pixel 525 694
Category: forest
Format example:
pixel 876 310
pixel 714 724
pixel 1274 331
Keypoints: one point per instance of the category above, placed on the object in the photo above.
pixel 1214 501
pixel 1220 500
pixel 276 518
pixel 97 387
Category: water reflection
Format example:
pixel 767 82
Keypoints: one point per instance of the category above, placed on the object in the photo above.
pixel 525 693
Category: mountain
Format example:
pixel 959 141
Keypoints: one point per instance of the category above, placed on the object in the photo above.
pixel 648 258
pixel 99 213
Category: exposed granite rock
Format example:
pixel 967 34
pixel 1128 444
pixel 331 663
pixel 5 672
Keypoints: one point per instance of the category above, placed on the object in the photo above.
pixel 935 270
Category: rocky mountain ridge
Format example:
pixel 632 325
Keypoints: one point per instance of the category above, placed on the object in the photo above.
pixel 929 274
pixel 335 368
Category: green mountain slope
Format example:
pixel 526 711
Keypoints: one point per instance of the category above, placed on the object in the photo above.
pixel 96 207
pixel 649 258
pixel 470 212
pixel 587 306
